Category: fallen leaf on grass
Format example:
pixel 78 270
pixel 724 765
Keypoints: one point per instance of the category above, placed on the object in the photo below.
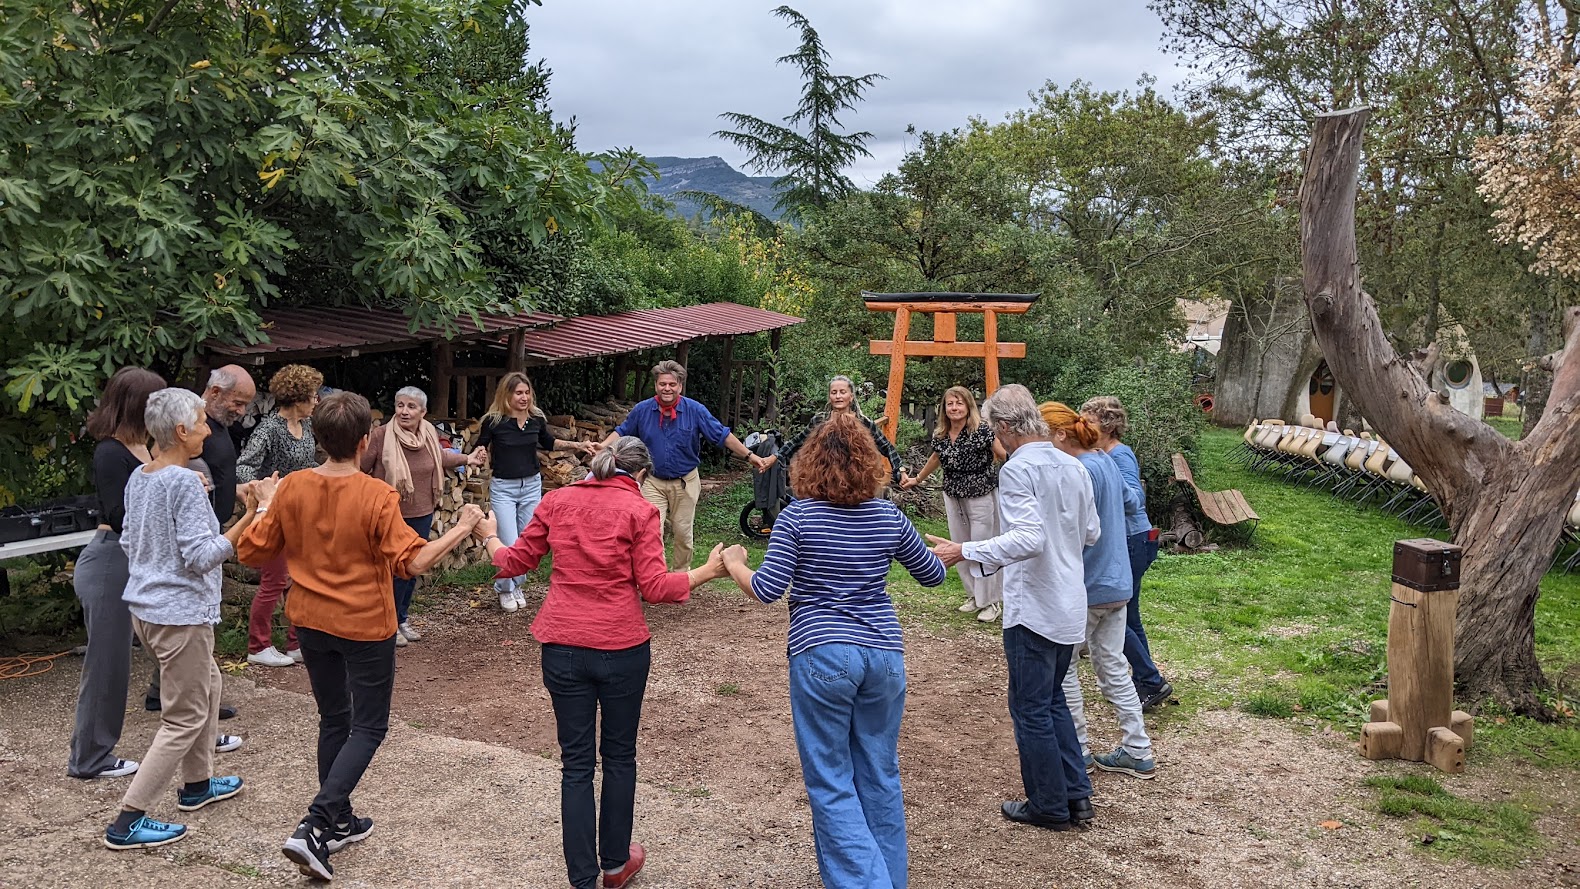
pixel 1330 825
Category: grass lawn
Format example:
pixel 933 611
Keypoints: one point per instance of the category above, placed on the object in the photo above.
pixel 1292 626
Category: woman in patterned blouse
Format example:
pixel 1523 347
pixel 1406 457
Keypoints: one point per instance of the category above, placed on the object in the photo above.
pixel 281 443
pixel 966 449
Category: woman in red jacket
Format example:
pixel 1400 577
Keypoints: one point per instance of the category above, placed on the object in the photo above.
pixel 608 558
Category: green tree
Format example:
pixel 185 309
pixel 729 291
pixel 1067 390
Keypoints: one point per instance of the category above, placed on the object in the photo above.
pixel 167 169
pixel 810 149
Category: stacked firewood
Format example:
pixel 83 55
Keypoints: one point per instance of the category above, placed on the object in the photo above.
pixel 591 422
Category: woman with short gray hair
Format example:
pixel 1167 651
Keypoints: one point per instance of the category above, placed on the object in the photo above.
pixel 174 553
pixel 608 545
pixel 405 452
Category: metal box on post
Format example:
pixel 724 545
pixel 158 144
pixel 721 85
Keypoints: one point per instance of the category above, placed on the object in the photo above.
pixel 1426 565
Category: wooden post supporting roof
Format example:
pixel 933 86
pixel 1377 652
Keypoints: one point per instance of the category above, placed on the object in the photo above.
pixel 943 307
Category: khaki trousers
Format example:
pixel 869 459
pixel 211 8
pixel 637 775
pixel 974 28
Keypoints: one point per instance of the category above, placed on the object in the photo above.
pixel 676 499
pixel 189 718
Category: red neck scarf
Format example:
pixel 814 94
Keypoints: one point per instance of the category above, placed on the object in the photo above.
pixel 671 413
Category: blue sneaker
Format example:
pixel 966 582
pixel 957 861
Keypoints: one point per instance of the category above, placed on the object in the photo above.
pixel 218 789
pixel 1125 764
pixel 145 833
pixel 1091 763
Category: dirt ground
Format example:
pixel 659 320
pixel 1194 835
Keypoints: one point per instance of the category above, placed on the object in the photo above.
pixel 465 791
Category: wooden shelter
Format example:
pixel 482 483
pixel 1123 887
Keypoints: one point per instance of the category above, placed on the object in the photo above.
pixel 943 307
pixel 505 343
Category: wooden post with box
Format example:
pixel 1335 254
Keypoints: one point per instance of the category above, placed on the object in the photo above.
pixel 1418 721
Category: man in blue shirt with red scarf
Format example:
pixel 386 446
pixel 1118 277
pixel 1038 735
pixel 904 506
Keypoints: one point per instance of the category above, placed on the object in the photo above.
pixel 673 426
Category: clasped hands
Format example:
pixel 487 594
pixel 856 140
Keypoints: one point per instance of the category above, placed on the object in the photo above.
pixel 947 551
pixel 259 494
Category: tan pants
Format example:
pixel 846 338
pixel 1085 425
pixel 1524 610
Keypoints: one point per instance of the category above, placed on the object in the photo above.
pixel 975 518
pixel 676 499
pixel 189 716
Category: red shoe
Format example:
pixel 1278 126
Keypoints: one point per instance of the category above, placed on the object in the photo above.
pixel 624 875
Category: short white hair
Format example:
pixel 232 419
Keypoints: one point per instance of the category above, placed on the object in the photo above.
pixel 222 379
pixel 1015 408
pixel 169 408
pixel 414 394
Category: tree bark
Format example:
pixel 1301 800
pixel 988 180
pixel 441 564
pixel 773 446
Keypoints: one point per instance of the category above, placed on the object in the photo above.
pixel 1504 501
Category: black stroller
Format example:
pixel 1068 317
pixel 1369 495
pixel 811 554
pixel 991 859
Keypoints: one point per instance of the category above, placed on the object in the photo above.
pixel 770 490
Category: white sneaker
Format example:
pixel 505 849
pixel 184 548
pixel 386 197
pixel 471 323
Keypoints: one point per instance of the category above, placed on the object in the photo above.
pixel 970 606
pixel 990 613
pixel 400 638
pixel 227 743
pixel 521 599
pixel 410 634
pixel 507 602
pixel 270 657
pixel 295 655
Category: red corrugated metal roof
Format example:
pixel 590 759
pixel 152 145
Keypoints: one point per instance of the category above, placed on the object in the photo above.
pixel 306 332
pixel 589 336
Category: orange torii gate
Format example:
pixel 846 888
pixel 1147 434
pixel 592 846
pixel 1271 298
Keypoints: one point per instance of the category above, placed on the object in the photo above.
pixel 943 307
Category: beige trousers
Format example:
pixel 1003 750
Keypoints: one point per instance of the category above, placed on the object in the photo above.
pixel 189 715
pixel 676 499
pixel 975 518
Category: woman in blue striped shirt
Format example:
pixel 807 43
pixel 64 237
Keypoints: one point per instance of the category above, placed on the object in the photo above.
pixel 833 547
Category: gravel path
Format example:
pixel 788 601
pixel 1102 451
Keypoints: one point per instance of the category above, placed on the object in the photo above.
pixel 465 790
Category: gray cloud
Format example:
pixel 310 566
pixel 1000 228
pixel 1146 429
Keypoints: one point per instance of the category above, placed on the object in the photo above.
pixel 656 76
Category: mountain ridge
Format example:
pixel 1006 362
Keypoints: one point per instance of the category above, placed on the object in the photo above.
pixel 713 175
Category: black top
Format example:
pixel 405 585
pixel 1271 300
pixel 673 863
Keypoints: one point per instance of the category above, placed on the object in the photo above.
pixel 220 453
pixel 885 447
pixel 967 462
pixel 113 464
pixel 513 448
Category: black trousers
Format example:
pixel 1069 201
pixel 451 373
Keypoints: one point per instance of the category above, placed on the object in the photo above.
pixel 352 683
pixel 580 681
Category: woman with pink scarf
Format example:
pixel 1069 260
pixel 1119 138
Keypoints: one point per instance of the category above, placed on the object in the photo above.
pixel 405 452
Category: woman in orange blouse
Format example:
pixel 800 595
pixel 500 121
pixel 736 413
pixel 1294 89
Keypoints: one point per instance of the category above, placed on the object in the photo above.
pixel 344 541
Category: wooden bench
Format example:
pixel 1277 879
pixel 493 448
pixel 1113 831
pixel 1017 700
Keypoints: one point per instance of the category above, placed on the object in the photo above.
pixel 1226 508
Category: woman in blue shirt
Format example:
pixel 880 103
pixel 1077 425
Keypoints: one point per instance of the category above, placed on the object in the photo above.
pixel 833 547
pixel 1112 422
pixel 1107 567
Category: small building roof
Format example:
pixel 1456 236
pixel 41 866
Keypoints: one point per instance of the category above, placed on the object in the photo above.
pixel 294 333
pixel 589 336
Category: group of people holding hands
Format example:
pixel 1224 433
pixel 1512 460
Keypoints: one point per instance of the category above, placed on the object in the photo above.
pixel 340 512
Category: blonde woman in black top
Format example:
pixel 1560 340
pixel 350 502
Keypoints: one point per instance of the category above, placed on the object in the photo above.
pixel 514 430
pixel 966 449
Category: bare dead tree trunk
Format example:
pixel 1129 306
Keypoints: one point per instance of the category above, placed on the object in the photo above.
pixel 1504 500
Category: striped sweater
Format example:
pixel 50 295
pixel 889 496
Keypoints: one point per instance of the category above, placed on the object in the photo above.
pixel 834 561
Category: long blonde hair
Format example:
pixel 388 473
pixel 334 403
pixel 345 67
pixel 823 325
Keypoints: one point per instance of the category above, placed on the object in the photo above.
pixel 973 416
pixel 500 409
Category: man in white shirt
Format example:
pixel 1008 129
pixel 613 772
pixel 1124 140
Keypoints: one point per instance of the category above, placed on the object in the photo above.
pixel 1048 516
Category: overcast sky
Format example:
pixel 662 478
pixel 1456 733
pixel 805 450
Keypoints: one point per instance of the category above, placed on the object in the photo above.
pixel 657 75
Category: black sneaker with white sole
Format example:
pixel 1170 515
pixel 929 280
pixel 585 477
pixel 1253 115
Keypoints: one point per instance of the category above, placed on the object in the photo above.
pixel 345 833
pixel 308 850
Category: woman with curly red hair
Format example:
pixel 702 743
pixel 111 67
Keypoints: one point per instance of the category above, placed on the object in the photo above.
pixel 833 547
pixel 281 443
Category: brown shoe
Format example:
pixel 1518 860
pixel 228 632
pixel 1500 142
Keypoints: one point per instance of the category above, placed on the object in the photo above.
pixel 624 875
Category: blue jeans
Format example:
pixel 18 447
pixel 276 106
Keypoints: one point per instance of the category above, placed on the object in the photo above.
pixel 1143 672
pixel 846 702
pixel 405 587
pixel 582 681
pixel 513 501
pixel 1051 768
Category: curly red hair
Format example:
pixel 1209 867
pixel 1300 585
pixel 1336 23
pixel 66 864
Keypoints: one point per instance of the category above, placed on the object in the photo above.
pixel 839 463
